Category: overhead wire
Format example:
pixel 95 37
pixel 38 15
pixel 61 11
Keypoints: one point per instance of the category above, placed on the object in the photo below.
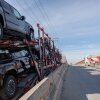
pixel 33 13
pixel 45 12
pixel 42 13
pixel 20 5
pixel 51 25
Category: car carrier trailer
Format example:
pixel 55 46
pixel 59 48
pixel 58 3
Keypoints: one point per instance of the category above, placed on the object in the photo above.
pixel 43 58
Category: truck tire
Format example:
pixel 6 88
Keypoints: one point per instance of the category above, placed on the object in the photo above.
pixel 1 31
pixel 9 88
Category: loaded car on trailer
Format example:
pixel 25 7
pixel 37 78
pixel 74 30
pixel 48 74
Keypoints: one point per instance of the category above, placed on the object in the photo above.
pixel 13 24
pixel 13 65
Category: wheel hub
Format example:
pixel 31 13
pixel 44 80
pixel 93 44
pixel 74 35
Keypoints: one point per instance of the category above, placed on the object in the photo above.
pixel 11 87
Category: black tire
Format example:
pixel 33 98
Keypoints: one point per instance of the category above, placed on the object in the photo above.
pixel 30 36
pixel 9 88
pixel 1 31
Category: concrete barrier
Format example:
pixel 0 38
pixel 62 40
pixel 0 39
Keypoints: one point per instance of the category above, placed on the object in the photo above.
pixel 49 88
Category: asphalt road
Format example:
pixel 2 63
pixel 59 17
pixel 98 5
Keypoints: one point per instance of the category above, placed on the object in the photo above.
pixel 81 83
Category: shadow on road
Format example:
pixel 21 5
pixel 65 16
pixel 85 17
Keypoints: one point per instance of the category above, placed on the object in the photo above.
pixel 80 83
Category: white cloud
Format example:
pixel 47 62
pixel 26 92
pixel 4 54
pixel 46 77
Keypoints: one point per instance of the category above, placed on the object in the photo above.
pixel 74 12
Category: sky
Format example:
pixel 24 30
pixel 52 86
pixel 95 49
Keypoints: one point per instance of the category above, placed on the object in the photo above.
pixel 73 24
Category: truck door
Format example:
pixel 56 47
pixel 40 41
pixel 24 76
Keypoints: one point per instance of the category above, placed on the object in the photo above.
pixel 18 20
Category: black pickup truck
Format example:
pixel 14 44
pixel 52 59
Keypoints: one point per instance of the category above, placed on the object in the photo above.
pixel 12 66
pixel 12 24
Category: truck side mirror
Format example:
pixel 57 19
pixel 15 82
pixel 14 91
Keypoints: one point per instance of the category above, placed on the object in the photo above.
pixel 22 17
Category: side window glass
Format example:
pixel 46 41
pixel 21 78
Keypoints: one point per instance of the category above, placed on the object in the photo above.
pixel 6 7
pixel 16 54
pixel 16 13
pixel 24 53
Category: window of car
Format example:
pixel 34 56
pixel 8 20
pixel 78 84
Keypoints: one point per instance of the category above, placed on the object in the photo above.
pixel 24 53
pixel 6 7
pixel 16 55
pixel 19 54
pixel 16 13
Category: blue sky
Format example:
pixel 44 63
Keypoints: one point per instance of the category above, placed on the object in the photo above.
pixel 74 24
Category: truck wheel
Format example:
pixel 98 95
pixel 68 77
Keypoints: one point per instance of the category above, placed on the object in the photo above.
pixel 1 31
pixel 9 88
